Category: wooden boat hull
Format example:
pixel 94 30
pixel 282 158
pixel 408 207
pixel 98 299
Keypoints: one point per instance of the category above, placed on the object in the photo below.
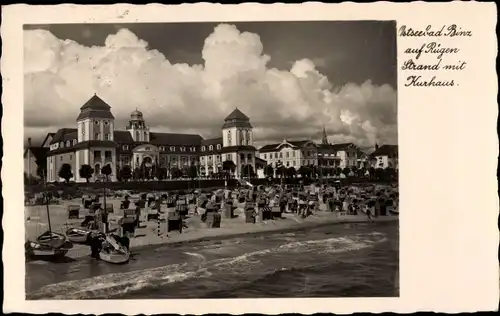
pixel 78 235
pixel 114 252
pixel 34 249
pixel 114 257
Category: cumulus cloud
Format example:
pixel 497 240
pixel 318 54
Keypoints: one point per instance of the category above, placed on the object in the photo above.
pixel 60 75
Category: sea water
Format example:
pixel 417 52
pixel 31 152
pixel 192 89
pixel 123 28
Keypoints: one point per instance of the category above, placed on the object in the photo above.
pixel 342 260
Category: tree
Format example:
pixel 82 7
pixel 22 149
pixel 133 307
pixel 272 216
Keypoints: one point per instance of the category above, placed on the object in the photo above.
pixel 192 171
pixel 175 173
pixel 354 170
pixel 291 172
pixel 138 174
pixel 41 170
pixel 305 171
pixel 86 172
pixel 372 172
pixel 161 173
pixel 281 171
pixel 379 173
pixel 390 173
pixel 228 165
pixel 346 171
pixel 314 171
pixel 65 172
pixel 126 173
pixel 269 171
pixel 107 171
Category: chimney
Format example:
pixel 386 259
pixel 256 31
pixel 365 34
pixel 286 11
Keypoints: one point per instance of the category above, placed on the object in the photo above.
pixel 29 141
pixel 376 146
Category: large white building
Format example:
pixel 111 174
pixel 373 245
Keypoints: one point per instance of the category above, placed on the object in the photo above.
pixel 97 142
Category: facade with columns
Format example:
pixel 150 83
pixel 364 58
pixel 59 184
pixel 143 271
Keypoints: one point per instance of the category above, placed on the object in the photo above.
pixel 97 142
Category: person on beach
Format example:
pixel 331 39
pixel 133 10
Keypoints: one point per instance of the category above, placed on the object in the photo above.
pixel 96 242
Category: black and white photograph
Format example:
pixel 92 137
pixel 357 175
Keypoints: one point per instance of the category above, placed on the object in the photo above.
pixel 211 160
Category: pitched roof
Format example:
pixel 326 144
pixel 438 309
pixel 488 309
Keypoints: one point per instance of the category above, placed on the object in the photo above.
pixel 51 135
pixel 337 147
pixel 123 137
pixel 386 150
pixel 231 149
pixel 236 115
pixel 274 147
pixel 95 107
pixel 211 141
pixel 95 114
pixel 175 139
pixel 64 134
pixel 95 103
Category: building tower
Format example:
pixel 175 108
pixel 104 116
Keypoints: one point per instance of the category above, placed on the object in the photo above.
pixel 237 140
pixel 137 127
pixel 237 130
pixel 324 141
pixel 96 146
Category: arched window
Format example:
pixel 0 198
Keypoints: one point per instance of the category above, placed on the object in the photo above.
pixel 68 143
pixel 210 147
pixel 249 138
pixel 74 142
pixel 242 137
pixel 61 145
pixel 97 169
pixel 218 146
pixel 203 148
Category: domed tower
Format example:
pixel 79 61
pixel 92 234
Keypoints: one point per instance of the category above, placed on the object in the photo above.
pixel 137 127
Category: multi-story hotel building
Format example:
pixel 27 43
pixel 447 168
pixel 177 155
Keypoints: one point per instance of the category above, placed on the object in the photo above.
pixel 308 153
pixel 97 143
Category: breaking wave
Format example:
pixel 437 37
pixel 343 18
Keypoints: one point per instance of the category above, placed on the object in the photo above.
pixel 265 262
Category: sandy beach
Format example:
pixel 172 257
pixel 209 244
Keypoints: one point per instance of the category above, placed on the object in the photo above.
pixel 147 235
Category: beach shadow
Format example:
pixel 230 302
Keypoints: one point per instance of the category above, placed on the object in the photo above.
pixel 64 259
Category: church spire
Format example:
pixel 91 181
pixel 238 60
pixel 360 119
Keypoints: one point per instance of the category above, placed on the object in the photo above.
pixel 325 137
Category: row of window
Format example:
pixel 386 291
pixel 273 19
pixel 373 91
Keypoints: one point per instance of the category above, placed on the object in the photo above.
pixel 164 148
pixel 105 122
pixel 211 147
pixel 69 143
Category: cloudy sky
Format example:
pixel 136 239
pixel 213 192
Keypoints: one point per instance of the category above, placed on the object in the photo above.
pixel 290 78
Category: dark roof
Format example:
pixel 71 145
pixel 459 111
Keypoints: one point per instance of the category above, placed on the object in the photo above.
pixel 168 139
pixel 123 137
pixel 40 153
pixel 337 147
pixel 62 135
pixel 267 148
pixel 231 149
pixel 260 160
pixel 237 119
pixel 95 107
pixel 274 147
pixel 386 150
pixel 95 114
pixel 211 141
pixel 95 103
pixel 299 143
pixel 237 115
pixel 47 137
